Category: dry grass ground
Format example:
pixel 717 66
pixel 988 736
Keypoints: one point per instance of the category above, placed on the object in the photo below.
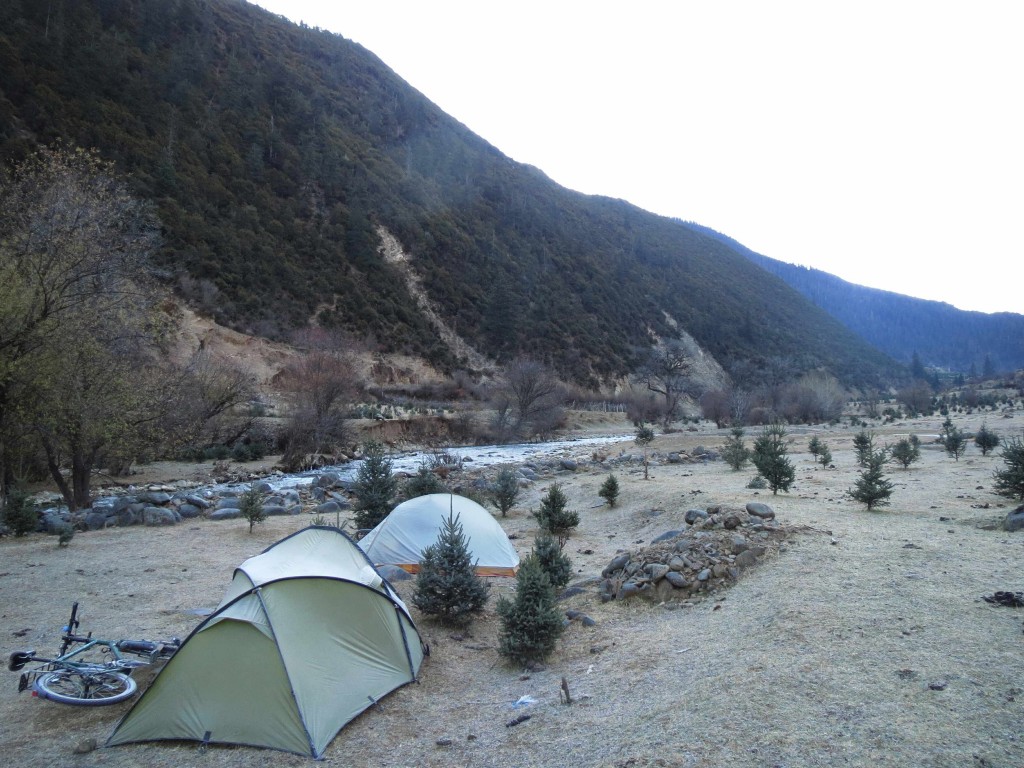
pixel 864 642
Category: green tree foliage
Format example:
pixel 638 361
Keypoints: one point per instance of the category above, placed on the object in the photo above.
pixel 644 437
pixel 375 487
pixel 873 488
pixel 769 456
pixel 19 513
pixel 552 516
pixel 531 623
pixel 814 447
pixel 504 491
pixel 906 451
pixel 275 151
pixel 549 552
pixel 864 446
pixel 824 455
pixel 986 440
pixel 251 506
pixel 953 440
pixel 447 586
pixel 424 482
pixel 1009 481
pixel 609 490
pixel 735 451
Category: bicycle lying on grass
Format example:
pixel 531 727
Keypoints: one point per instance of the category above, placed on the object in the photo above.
pixel 70 678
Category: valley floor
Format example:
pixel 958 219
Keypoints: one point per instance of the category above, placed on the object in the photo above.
pixel 865 641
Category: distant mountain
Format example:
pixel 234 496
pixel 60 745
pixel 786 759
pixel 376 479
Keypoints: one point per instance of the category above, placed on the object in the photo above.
pixel 942 335
pixel 280 158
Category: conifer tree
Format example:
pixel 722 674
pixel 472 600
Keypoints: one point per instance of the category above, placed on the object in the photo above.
pixel 864 445
pixel 953 439
pixel 1009 481
pixel 251 506
pixel 873 488
pixel 906 451
pixel 610 490
pixel 986 439
pixel 504 491
pixel 556 564
pixel 552 516
pixel 824 455
pixel 447 585
pixel 644 437
pixel 375 487
pixel 814 447
pixel 770 458
pixel 735 453
pixel 530 624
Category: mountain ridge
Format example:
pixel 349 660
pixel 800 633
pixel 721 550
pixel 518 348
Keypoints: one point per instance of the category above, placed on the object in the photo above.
pixel 273 152
pixel 940 334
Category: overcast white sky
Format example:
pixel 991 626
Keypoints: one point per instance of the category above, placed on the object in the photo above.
pixel 880 141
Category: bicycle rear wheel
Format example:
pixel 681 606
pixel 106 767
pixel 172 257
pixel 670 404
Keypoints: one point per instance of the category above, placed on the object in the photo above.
pixel 88 689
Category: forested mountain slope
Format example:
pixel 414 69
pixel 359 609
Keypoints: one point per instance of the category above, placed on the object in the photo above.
pixel 941 335
pixel 273 152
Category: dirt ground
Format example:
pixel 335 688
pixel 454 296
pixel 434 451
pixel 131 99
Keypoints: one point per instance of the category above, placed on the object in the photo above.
pixel 864 642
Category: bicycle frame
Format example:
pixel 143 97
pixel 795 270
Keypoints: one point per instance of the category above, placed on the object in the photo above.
pixel 74 661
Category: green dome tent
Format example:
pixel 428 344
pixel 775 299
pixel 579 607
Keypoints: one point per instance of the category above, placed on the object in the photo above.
pixel 308 636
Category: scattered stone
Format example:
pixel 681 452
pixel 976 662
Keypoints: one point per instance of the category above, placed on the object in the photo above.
pixel 938 685
pixel 759 509
pixel 443 742
pixel 692 516
pixel 84 747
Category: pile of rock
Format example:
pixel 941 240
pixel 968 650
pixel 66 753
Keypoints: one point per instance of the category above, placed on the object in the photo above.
pixel 720 544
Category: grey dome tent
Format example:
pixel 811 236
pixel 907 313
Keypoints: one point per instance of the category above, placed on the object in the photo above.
pixel 307 637
pixel 414 525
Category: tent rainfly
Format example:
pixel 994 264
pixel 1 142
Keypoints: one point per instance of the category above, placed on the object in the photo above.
pixel 414 525
pixel 308 636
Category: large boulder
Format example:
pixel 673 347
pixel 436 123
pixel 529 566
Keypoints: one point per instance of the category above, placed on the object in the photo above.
pixel 1015 520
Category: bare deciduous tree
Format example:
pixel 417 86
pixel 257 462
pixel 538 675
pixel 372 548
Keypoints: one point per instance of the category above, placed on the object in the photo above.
pixel 319 384
pixel 531 397
pixel 666 372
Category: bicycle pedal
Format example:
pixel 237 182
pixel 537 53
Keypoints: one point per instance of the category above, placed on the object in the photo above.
pixel 23 682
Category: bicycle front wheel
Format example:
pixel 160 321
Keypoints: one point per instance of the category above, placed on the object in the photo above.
pixel 89 689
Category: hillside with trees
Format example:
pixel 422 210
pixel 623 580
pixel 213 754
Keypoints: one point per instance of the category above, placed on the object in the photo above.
pixel 274 156
pixel 941 335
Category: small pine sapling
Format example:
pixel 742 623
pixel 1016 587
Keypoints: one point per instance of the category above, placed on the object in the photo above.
pixel 447 586
pixel 735 453
pixel 609 490
pixel 556 564
pixel 873 488
pixel 906 451
pixel 552 516
pixel 19 514
pixel 644 437
pixel 1009 481
pixel 986 440
pixel 424 482
pixel 504 491
pixel 251 506
pixel 814 447
pixel 864 445
pixel 824 454
pixel 953 440
pixel 531 623
pixel 375 487
pixel 770 458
